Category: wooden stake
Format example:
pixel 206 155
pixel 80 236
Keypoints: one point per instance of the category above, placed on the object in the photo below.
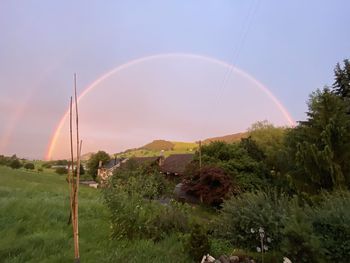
pixel 71 167
pixel 200 155
pixel 76 203
pixel 74 176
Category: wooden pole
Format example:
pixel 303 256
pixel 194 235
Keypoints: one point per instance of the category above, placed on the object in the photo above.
pixel 71 167
pixel 200 155
pixel 74 174
pixel 76 203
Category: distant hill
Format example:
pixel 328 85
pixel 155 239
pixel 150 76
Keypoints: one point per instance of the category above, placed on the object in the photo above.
pixel 227 138
pixel 159 145
pixel 167 148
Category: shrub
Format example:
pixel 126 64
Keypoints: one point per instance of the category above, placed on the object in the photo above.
pixel 197 245
pixel 211 184
pixel 29 166
pixel 61 170
pixel 220 247
pixel 241 216
pixel 331 224
pixel 134 214
pixel 15 164
pixel 133 217
pixel 299 241
pixel 47 165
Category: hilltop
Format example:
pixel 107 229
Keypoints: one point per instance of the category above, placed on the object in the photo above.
pixel 155 147
pixel 227 138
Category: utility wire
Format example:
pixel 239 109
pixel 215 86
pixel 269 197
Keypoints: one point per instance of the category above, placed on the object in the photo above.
pixel 233 60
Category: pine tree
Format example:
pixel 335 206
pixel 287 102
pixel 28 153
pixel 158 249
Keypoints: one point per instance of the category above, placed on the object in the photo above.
pixel 324 150
pixel 341 85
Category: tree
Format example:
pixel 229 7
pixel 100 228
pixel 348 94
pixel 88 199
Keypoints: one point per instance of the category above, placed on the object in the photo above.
pixel 29 166
pixel 270 140
pixel 341 85
pixel 321 144
pixel 15 164
pixel 211 184
pixel 253 149
pixel 94 161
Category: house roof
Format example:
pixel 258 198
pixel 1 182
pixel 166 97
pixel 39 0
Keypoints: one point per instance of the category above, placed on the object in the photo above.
pixel 145 160
pixel 111 163
pixel 176 163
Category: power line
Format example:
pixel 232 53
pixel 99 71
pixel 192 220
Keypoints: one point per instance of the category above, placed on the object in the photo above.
pixel 233 61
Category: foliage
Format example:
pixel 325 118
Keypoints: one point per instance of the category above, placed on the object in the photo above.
pixel 341 85
pixel 270 141
pixel 321 144
pixel 134 199
pixel 253 149
pixel 210 184
pixel 47 165
pixel 247 172
pixel 61 170
pixel 241 216
pixel 5 160
pixel 331 224
pixel 94 161
pixel 219 247
pixel 300 244
pixel 144 181
pixel 29 166
pixel 81 170
pixel 197 245
pixel 15 164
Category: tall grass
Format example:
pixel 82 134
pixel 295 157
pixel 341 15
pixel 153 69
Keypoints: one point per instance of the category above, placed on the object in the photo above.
pixel 34 210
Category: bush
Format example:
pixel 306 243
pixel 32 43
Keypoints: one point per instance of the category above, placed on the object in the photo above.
pixel 197 245
pixel 15 164
pixel 210 184
pixel 133 217
pixel 241 216
pixel 61 170
pixel 134 214
pixel 29 166
pixel 331 224
pixel 47 165
pixel 299 241
pixel 220 247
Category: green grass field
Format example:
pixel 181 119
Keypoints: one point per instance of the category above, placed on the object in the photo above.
pixel 34 209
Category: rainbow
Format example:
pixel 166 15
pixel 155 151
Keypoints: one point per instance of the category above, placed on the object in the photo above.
pixel 283 110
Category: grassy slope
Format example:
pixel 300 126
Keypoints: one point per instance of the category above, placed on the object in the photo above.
pixel 33 225
pixel 179 147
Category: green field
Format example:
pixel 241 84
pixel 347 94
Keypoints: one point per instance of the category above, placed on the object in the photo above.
pixel 34 209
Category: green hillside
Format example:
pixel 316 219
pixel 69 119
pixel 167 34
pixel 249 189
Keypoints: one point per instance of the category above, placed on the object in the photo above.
pixel 171 147
pixel 158 147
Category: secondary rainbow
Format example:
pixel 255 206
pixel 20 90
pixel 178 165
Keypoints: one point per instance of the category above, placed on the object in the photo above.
pixel 283 110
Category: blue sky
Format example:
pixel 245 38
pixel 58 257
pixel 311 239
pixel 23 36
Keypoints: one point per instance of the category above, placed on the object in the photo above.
pixel 290 46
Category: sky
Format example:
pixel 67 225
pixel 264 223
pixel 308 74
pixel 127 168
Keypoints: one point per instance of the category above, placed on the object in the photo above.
pixel 289 48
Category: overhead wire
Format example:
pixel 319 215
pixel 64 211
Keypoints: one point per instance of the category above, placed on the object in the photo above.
pixel 233 59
